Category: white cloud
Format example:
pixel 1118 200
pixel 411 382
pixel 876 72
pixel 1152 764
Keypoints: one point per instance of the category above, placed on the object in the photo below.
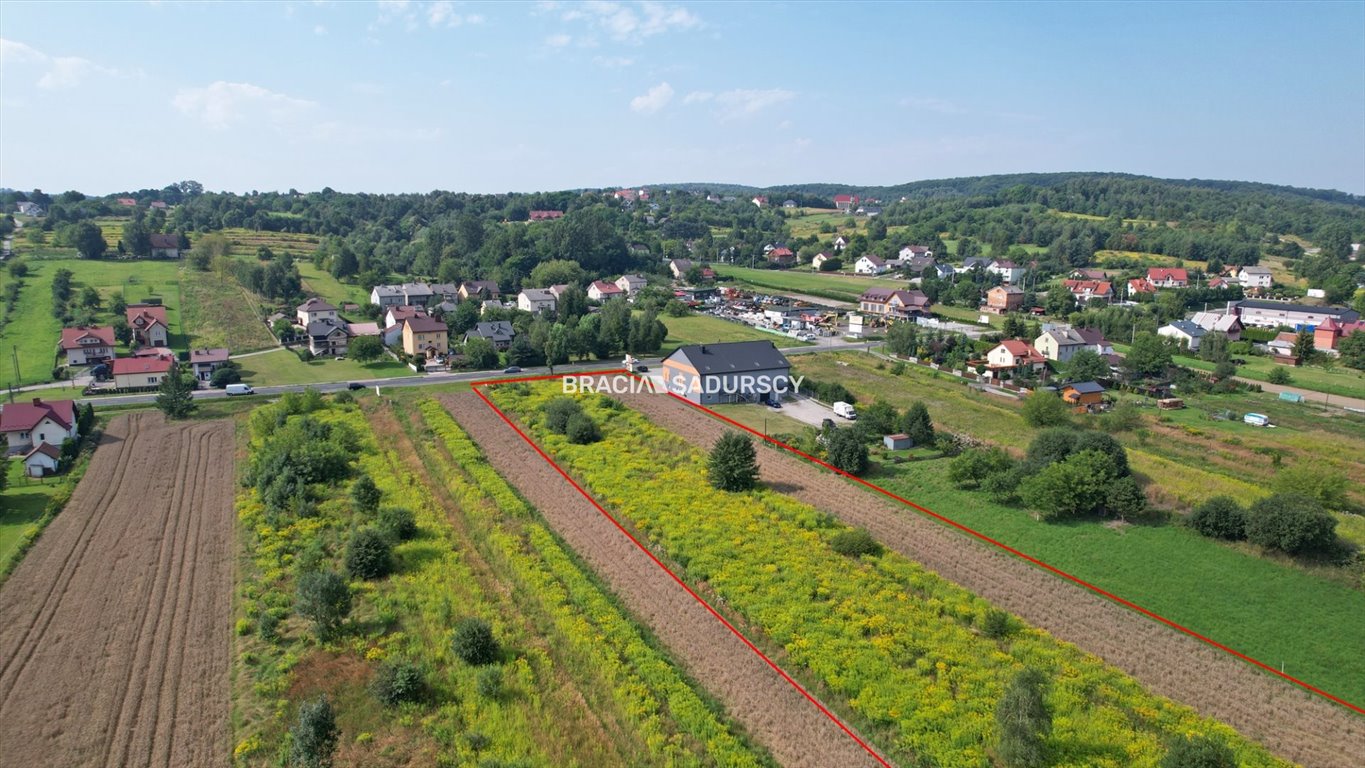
pixel 221 104
pixel 559 40
pixel 62 71
pixel 698 97
pixel 627 22
pixel 742 102
pixel 652 100
pixel 437 14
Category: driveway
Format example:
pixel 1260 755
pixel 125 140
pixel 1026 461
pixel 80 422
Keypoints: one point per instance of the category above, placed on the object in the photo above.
pixel 808 411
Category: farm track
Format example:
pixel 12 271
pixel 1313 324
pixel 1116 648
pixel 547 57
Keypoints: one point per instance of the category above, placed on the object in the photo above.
pixel 771 711
pixel 114 631
pixel 1292 723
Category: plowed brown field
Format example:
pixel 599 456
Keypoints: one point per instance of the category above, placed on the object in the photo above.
pixel 1290 722
pixel 114 631
pixel 774 713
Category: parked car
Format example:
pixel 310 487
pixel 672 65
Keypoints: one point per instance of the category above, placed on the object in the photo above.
pixel 512 369
pixel 353 386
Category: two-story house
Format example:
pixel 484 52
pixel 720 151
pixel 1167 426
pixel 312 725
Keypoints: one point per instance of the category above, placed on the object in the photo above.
pixel 148 322
pixel 1004 298
pixel 536 300
pixel 315 309
pixel 40 422
pixel 88 346
pixel 1168 277
pixel 425 336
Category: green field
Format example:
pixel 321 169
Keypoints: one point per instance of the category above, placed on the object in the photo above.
pixel 282 366
pixel 708 329
pixel 220 313
pixel 965 315
pixel 837 287
pixel 1106 258
pixel 1092 217
pixel 320 283
pixel 21 506
pixel 1339 380
pixel 32 332
pixel 1282 616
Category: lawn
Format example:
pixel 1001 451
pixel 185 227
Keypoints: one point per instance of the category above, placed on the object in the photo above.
pixel 220 313
pixel 1282 616
pixel 1339 380
pixel 23 503
pixel 709 329
pixel 963 314
pixel 32 332
pixel 282 366
pixel 320 283
pixel 761 419
pixel 839 287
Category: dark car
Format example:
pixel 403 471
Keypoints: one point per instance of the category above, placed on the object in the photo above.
pixel 353 386
pixel 512 369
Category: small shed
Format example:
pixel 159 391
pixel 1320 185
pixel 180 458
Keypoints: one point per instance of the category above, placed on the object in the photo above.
pixel 1084 393
pixel 42 460
pixel 897 442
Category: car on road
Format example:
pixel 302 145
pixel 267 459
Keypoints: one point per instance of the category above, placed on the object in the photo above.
pixel 353 386
pixel 512 369
pixel 239 389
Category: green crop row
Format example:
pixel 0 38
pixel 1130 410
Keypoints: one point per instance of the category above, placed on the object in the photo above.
pixel 675 722
pixel 899 645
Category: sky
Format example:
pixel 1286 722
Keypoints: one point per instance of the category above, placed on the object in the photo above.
pixel 416 96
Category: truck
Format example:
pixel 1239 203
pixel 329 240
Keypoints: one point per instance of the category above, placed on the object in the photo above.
pixel 846 410
pixel 239 389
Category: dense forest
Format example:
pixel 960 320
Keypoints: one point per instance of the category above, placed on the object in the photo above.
pixel 456 236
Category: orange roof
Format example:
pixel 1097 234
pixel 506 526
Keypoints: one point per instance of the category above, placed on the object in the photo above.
pixel 128 365
pixel 71 337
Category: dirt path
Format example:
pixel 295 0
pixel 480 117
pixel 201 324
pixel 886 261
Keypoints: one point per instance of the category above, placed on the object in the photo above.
pixel 770 710
pixel 1311 395
pixel 114 631
pixel 1290 722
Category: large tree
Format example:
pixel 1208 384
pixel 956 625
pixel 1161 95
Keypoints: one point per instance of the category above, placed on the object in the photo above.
pixel 1148 356
pixel 1087 365
pixel 88 240
pixel 137 239
pixel 846 450
pixel 365 349
pixel 175 397
pixel 733 465
pixel 917 425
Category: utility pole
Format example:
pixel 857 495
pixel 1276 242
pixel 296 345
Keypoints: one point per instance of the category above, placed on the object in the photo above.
pixel 14 352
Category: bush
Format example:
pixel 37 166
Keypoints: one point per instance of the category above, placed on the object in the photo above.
pixel 916 424
pixel 323 597
pixel 1073 487
pixel 1124 499
pixel 489 683
pixel 1044 409
pixel 365 495
pixel 397 682
pixel 1221 517
pixel 847 451
pixel 1125 417
pixel 733 465
pixel 1329 488
pixel 855 542
pixel 369 555
pixel 559 411
pixel 474 642
pixel 996 624
pixel 1292 523
pixel 1024 721
pixel 398 523
pixel 225 376
pixel 1279 375
pixel 582 430
pixel 973 467
pixel 313 738
pixel 1198 752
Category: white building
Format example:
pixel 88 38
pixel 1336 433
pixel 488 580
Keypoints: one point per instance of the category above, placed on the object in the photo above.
pixel 1254 277
pixel 1183 331
pixel 870 265
pixel 536 300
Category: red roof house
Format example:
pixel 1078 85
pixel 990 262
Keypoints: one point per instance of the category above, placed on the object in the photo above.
pixel 148 322
pixel 1168 277
pixel 25 425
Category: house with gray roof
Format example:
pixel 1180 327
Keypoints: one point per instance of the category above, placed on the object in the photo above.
pixel 1183 331
pixel 734 372
pixel 500 333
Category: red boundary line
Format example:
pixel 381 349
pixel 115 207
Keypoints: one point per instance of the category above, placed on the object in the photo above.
pixel 665 568
pixel 969 531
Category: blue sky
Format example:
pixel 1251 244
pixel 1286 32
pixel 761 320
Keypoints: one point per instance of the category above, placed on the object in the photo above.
pixel 415 96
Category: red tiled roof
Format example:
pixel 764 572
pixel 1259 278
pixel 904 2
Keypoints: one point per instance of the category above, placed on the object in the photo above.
pixel 1141 285
pixel 779 252
pixel 424 324
pixel 1094 287
pixel 1158 274
pixel 605 287
pixel 215 355
pixel 71 336
pixel 140 316
pixel 47 449
pixel 126 365
pixel 545 215
pixel 21 417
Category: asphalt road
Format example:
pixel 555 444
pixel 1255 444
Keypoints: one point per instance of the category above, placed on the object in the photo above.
pixel 431 379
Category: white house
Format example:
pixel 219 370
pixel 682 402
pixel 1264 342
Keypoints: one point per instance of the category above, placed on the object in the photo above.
pixel 601 290
pixel 912 251
pixel 820 258
pixel 315 309
pixel 1254 277
pixel 1059 344
pixel 536 300
pixel 26 425
pixel 840 243
pixel 1008 271
pixel 631 284
pixel 870 265
pixel 1183 331
pixel 87 346
pixel 43 459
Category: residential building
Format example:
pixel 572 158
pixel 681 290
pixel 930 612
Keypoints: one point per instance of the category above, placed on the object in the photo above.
pixel 165 246
pixel 1009 271
pixel 546 215
pixel 1264 313
pixel 37 422
pixel 631 284
pixel 789 204
pixel 148 322
pixel 1088 274
pixel 327 337
pixel 141 372
pixel 315 309
pixel 1328 335
pixel 760 201
pixel 840 242
pixel 820 258
pixel 601 290
pixel 915 251
pixel 445 293
pixel 485 289
pixel 782 257
pixel 1184 332
pixel 203 362
pixel 974 262
pixel 536 300
pixel 499 333
pixel 1085 290
pixel 558 290
pixel 679 268
pixel 42 460
pixel 356 330
pixel 425 336
pixel 741 371
pixel 29 209
pixel 1094 341
pixel 1084 394
pixel 916 265
pixel 891 303
pixel 1013 355
pixel 870 265
pixel 1059 344
pixel 1140 285
pixel 1004 298
pixel 944 271
pixel 845 203
pixel 87 346
pixel 1282 347
pixel 1223 322
pixel 400 312
pixel 1255 278
pixel 386 296
pixel 1168 277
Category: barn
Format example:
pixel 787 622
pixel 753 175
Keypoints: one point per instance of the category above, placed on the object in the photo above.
pixel 733 372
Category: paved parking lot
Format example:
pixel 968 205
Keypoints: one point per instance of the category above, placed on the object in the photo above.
pixel 808 411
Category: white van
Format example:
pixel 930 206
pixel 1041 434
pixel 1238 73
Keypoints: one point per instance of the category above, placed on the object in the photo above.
pixel 239 389
pixel 844 409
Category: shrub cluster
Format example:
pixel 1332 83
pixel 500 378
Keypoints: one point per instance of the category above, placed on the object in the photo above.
pixel 474 642
pixel 565 416
pixel 1293 523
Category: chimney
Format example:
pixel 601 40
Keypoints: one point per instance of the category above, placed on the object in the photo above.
pixel 703 349
pixel 37 401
